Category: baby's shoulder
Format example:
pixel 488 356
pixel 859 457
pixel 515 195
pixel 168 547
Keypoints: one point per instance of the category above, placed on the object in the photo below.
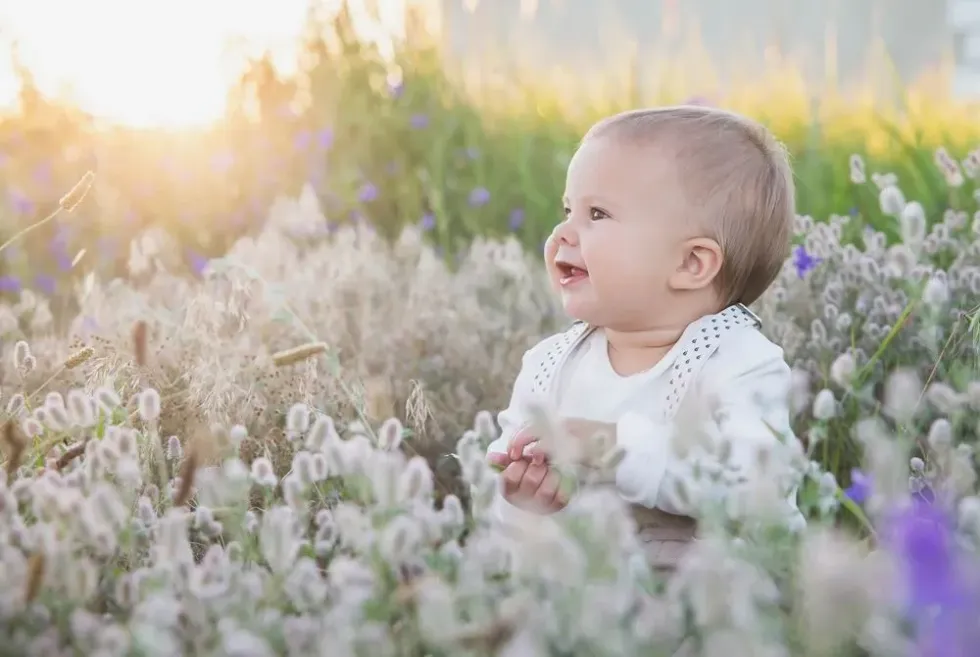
pixel 744 351
pixel 553 345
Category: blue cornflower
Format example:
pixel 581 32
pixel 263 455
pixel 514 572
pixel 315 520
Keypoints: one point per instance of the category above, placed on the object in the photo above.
pixel 804 261
pixel 324 138
pixel 516 218
pixel 367 193
pixel 860 488
pixel 197 262
pixel 20 203
pixel 10 283
pixel 479 197
pixel 46 283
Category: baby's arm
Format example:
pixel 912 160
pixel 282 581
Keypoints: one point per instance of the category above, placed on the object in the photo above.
pixel 513 418
pixel 743 390
pixel 518 478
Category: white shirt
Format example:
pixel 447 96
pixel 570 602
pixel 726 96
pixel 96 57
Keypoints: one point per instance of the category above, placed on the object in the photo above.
pixel 740 395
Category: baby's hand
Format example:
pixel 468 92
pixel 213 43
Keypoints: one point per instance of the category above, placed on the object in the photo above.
pixel 534 487
pixel 520 448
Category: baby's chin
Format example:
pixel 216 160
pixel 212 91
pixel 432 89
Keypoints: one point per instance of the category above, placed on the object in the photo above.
pixel 580 310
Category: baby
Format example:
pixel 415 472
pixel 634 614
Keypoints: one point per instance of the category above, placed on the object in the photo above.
pixel 675 220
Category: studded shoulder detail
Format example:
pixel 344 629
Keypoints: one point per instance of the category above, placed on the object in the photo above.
pixel 698 343
pixel 551 355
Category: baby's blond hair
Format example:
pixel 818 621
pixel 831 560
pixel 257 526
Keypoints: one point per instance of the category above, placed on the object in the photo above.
pixel 738 175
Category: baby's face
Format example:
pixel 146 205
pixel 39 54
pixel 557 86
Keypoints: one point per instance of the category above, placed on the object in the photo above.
pixel 626 218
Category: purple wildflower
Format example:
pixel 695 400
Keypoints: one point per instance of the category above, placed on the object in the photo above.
pixel 516 219
pixel 428 221
pixel 419 121
pixel 860 488
pixel 20 203
pixel 45 283
pixel 64 261
pixel 479 197
pixel 10 283
pixel 367 193
pixel 943 600
pixel 324 138
pixel 197 262
pixel 803 261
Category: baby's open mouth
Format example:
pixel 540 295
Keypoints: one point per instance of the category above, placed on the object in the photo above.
pixel 569 273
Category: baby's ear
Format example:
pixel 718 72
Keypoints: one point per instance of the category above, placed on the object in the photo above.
pixel 701 260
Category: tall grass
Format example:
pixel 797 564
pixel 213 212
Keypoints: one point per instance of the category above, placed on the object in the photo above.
pixel 410 141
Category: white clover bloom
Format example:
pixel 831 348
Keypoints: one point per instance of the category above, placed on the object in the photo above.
pixel 824 405
pixel 263 473
pixel 148 405
pixel 892 201
pixel 843 369
pixel 279 539
pixel 297 421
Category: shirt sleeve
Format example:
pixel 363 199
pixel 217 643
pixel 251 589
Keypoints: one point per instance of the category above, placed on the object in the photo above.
pixel 733 428
pixel 511 420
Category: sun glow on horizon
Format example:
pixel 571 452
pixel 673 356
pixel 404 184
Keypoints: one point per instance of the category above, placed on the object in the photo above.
pixel 148 63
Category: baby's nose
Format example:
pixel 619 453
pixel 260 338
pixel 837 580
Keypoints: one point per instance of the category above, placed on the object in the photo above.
pixel 566 233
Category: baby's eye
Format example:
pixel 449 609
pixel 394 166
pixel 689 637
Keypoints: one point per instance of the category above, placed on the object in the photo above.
pixel 598 213
pixel 568 211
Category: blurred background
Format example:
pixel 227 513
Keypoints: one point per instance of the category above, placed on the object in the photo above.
pixel 457 116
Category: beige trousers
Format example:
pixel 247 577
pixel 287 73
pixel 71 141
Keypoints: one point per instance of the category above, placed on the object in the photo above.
pixel 664 536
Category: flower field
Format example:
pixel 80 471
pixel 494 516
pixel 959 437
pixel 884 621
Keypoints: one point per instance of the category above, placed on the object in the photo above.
pixel 264 434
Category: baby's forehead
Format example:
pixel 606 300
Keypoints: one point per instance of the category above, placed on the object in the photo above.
pixel 625 164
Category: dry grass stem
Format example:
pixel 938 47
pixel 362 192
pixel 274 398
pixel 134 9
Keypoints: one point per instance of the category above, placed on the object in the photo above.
pixel 298 354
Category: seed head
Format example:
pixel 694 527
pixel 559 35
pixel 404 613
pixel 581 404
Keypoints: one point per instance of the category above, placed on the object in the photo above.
pixel 140 331
pixel 858 176
pixel 842 370
pixel 71 200
pixel 824 405
pixel 14 443
pixel 297 421
pixel 892 200
pixel 107 399
pixel 81 409
pixel 35 576
pixel 321 431
pixel 149 405
pixel 263 473
pixel 188 469
pixel 298 354
pixel 22 351
pixel 15 404
pixel 390 435
pixel 940 435
pixel 79 357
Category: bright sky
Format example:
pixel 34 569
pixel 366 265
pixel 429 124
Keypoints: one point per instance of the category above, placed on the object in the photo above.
pixel 148 62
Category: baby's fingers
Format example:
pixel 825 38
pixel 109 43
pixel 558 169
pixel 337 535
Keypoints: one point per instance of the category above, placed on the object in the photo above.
pixel 512 476
pixel 537 455
pixel 498 460
pixel 548 490
pixel 519 443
